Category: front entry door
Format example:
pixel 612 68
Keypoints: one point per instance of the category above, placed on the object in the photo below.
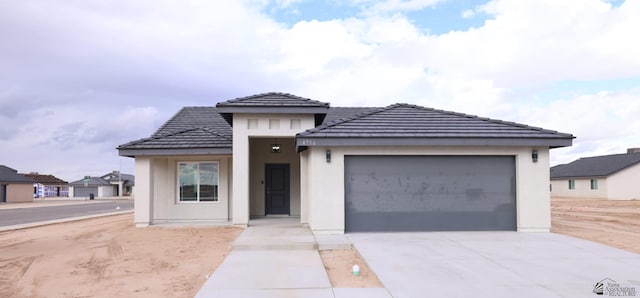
pixel 276 189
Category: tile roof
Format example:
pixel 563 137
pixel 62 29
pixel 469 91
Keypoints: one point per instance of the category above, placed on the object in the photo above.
pixel 45 179
pixel 337 113
pixel 191 127
pixel 10 175
pixel 195 117
pixel 204 130
pixel 272 99
pixel 597 166
pixel 404 120
pixel 93 181
pixel 203 127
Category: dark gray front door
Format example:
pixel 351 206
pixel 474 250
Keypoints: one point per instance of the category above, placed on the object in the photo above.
pixel 277 189
pixel 429 193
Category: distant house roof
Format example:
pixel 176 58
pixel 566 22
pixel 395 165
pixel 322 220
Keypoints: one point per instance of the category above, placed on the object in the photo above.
pixel 116 176
pixel 45 179
pixel 404 124
pixel 93 181
pixel 9 175
pixel 597 166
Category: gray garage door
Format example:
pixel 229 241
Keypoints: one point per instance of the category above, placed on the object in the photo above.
pixel 85 191
pixel 429 193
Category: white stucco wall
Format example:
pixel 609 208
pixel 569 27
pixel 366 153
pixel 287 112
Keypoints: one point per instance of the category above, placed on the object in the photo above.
pixel 560 188
pixel 325 186
pixel 156 192
pixel 624 185
pixel 246 126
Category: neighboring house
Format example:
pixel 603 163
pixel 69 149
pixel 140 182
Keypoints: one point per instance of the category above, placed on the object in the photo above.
pixel 112 184
pixel 48 186
pixel 88 186
pixel 398 168
pixel 14 188
pixel 614 177
pixel 123 183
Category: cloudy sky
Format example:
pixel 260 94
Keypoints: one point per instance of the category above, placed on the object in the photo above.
pixel 78 78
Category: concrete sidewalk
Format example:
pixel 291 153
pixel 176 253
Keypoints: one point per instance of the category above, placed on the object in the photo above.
pixel 277 257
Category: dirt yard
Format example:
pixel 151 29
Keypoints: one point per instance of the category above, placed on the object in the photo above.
pixel 339 263
pixel 614 223
pixel 109 257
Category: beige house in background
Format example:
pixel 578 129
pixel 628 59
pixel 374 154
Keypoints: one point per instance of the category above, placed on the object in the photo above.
pixel 15 188
pixel 613 177
pixel 337 169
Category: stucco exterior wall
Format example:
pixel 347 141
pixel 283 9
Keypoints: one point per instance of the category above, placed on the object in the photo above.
pixel 156 193
pixel 624 185
pixel 325 186
pixel 19 193
pixel 247 126
pixel 260 155
pixel 560 188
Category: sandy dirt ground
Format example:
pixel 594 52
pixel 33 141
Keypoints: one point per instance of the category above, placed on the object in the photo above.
pixel 613 223
pixel 109 257
pixel 339 263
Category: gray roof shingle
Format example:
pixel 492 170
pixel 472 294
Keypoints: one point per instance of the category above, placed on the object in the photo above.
pixel 10 175
pixel 204 130
pixel 597 166
pixel 190 128
pixel 414 122
pixel 272 99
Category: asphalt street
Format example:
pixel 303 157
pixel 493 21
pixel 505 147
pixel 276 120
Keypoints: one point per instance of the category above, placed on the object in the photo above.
pixel 9 217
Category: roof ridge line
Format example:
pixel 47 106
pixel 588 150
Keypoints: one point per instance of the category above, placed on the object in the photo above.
pixel 290 95
pixel 348 119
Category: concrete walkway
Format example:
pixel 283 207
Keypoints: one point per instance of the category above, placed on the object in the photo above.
pixel 277 257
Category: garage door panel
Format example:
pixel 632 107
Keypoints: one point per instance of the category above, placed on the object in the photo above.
pixel 80 192
pixel 429 193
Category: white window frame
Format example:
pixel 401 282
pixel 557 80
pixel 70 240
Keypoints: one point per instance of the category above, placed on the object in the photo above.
pixel 217 198
pixel 593 183
pixel 572 184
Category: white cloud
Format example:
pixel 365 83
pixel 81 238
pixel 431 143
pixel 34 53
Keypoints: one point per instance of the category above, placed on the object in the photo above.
pixel 78 68
pixel 401 5
pixel 468 13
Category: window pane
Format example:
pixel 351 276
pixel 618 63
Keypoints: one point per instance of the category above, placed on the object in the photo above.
pixel 208 182
pixel 188 181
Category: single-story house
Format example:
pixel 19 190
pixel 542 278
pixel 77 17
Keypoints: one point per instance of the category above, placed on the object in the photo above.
pixel 397 168
pixel 48 186
pixel 14 188
pixel 108 185
pixel 122 183
pixel 613 177
pixel 88 186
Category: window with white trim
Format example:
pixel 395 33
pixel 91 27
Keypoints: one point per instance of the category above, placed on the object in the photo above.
pixel 198 181
pixel 572 184
pixel 594 184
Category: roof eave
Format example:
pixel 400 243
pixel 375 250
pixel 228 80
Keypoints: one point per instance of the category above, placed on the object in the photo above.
pixel 173 151
pixel 302 141
pixel 272 110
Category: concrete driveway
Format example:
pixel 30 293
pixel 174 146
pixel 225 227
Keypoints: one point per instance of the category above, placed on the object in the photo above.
pixel 494 264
